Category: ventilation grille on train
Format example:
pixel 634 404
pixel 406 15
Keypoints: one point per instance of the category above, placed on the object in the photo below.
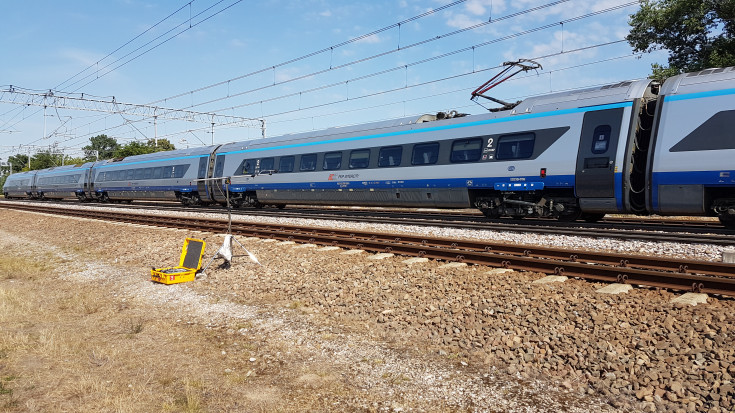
pixel 621 84
pixel 708 71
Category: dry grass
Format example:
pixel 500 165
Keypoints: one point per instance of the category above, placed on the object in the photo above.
pixel 72 346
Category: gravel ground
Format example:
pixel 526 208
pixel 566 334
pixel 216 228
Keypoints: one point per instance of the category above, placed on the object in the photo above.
pixel 466 338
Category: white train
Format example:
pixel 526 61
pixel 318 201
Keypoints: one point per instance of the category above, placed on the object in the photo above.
pixel 632 147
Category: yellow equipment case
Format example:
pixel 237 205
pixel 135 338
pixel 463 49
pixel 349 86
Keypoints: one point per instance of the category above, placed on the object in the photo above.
pixel 189 263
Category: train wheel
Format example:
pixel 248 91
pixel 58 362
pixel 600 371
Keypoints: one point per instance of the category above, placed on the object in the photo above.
pixel 570 216
pixel 490 213
pixel 281 206
pixel 592 217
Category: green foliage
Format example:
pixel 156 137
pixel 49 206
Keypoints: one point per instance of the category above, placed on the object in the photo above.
pixel 140 148
pixel 698 34
pixel 45 159
pixel 103 144
pixel 68 160
pixel 18 162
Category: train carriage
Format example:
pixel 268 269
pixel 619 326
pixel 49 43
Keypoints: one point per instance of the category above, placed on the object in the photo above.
pixel 68 181
pixel 171 175
pixel 20 185
pixel 537 160
pixel 692 166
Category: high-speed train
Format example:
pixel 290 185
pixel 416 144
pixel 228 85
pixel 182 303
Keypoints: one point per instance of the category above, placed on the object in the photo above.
pixel 635 147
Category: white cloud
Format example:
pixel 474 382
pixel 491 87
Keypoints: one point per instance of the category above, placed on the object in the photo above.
pixel 485 7
pixel 462 21
pixel 372 39
pixel 78 56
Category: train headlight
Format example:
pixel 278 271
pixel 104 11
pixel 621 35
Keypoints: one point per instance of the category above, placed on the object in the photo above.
pixel 543 172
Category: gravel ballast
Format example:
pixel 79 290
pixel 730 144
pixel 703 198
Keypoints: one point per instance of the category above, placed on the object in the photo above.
pixel 457 337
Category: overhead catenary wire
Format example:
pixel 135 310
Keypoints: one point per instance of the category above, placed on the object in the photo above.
pixel 402 67
pixel 127 43
pixel 22 109
pixel 366 35
pixel 190 26
pixel 444 79
pixel 372 57
pixel 314 53
pixel 429 59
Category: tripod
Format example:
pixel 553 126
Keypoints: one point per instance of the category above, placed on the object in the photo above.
pixel 225 251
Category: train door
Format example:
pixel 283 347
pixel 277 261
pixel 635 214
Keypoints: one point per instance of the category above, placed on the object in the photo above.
pixel 202 176
pixel 206 168
pixel 89 183
pixel 598 144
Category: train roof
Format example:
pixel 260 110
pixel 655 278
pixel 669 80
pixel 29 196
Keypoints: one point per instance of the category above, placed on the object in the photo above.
pixel 65 168
pixel 206 150
pixel 702 81
pixel 600 95
pixel 22 174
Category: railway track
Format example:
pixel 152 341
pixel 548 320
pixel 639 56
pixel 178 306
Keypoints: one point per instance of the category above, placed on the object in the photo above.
pixel 688 275
pixel 656 230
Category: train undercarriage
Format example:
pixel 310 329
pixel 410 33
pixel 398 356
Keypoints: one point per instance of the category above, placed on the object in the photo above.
pixel 531 204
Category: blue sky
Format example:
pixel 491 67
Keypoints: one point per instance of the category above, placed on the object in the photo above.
pixel 230 57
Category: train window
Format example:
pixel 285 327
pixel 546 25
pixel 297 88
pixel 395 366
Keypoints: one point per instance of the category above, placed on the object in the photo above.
pixel 425 154
pixel 332 161
pixel 219 167
pixel 466 150
pixel 247 166
pixel 157 172
pixel 138 174
pixel 147 173
pixel 180 170
pixel 308 162
pixel 203 163
pixel 286 164
pixel 359 158
pixel 601 139
pixel 129 174
pixel 390 156
pixel 515 146
pixel 267 164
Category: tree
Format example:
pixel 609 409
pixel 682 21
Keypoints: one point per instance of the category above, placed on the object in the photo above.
pixel 103 144
pixel 69 160
pixel 18 162
pixel 161 145
pixel 140 148
pixel 698 34
pixel 45 159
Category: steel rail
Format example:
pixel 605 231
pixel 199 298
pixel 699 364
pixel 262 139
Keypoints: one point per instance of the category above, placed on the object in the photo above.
pixel 700 276
pixel 626 229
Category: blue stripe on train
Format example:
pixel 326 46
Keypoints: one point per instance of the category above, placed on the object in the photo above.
pixel 556 181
